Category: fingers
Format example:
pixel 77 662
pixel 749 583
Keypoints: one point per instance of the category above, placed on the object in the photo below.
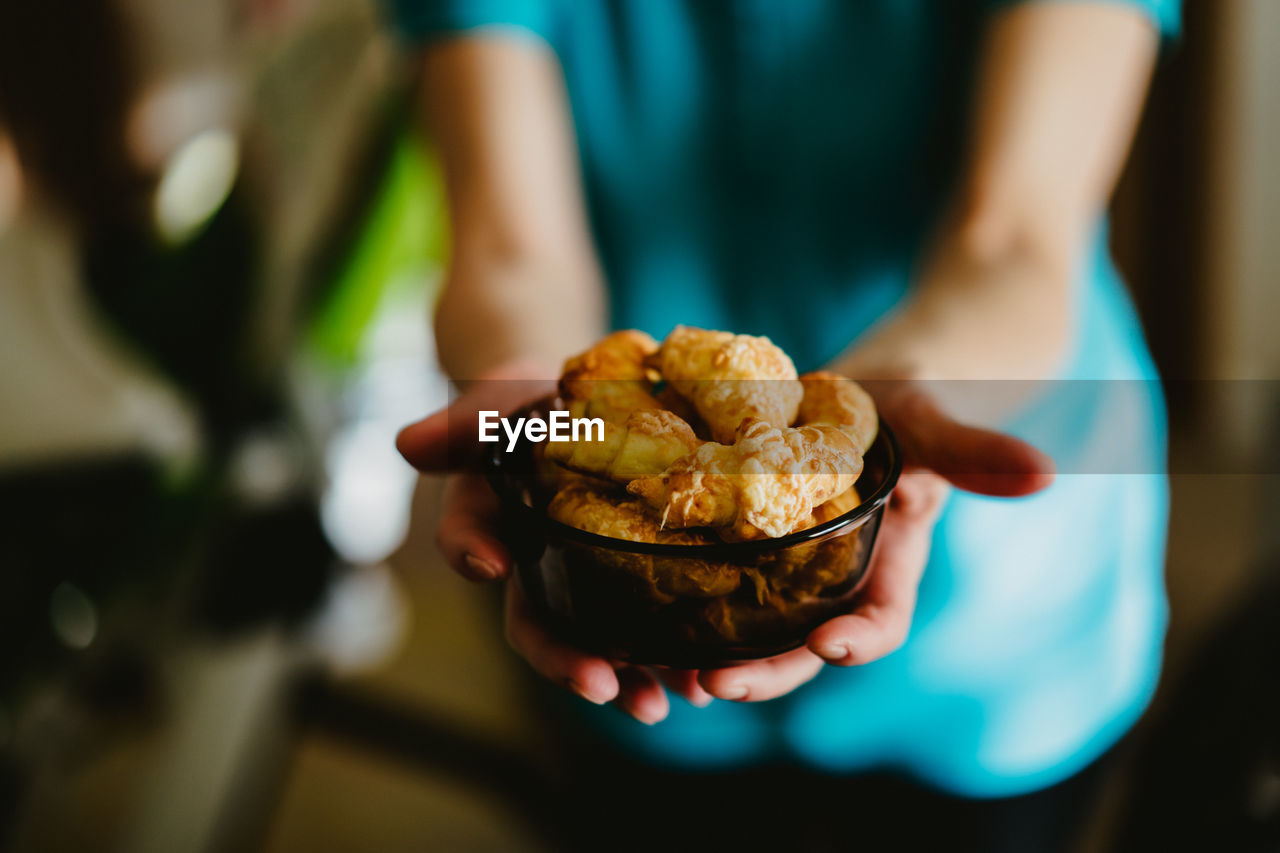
pixel 633 689
pixel 593 678
pixel 684 682
pixel 917 499
pixel 447 439
pixel 425 443
pixel 868 634
pixel 467 535
pixel 883 619
pixel 641 695
pixel 760 680
pixel 974 459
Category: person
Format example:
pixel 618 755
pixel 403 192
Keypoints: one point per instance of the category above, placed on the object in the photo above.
pixel 908 192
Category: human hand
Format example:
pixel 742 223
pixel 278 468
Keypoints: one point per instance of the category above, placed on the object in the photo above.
pixel 936 450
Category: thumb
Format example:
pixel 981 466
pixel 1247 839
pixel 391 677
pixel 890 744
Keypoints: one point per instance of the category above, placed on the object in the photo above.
pixel 447 439
pixel 425 444
pixel 971 458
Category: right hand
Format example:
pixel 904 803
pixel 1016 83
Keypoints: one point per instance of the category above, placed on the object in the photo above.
pixel 445 442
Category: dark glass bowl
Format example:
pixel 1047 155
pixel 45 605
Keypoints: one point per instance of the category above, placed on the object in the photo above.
pixel 688 606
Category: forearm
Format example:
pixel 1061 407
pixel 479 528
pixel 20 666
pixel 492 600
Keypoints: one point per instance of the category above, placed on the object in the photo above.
pixel 523 282
pixel 498 310
pixel 1057 99
pixel 994 305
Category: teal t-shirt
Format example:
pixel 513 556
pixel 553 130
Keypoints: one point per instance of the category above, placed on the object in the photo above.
pixel 775 168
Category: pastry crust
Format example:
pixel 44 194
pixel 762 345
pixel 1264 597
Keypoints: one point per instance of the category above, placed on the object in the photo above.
pixel 592 508
pixel 611 379
pixel 760 477
pixel 729 378
pixel 767 483
pixel 835 507
pixel 672 401
pixel 835 400
pixel 647 443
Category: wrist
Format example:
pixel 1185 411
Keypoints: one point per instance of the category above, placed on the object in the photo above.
pixel 874 363
pixel 520 368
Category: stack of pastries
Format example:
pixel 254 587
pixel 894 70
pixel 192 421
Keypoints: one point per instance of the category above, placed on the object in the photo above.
pixel 709 436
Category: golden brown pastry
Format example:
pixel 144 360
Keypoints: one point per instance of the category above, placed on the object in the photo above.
pixel 814 568
pixel 729 378
pixel 838 401
pixel 593 508
pixel 835 507
pixel 672 401
pixel 647 443
pixel 547 475
pixel 766 483
pixel 611 380
pixel 805 570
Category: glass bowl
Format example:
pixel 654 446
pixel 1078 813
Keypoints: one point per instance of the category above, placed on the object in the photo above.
pixel 687 606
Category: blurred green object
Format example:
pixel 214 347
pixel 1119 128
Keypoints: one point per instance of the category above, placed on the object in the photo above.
pixel 401 242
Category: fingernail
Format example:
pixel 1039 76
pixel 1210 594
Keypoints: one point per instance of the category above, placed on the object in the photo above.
pixel 833 654
pixel 582 691
pixel 733 692
pixel 635 715
pixel 701 700
pixel 484 569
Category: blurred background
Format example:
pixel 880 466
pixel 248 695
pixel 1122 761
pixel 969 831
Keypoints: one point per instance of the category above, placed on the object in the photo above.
pixel 223 625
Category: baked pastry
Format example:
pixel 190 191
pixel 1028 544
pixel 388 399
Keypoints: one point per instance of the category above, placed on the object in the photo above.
pixel 611 380
pixel 767 483
pixel 706 439
pixel 834 400
pixel 647 443
pixel 834 508
pixel 729 378
pixel 672 401
pixel 592 508
pixel 758 477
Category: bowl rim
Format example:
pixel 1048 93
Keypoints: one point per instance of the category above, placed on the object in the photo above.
pixel 498 476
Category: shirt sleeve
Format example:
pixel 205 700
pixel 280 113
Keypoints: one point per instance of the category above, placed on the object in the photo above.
pixel 418 21
pixel 1165 15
